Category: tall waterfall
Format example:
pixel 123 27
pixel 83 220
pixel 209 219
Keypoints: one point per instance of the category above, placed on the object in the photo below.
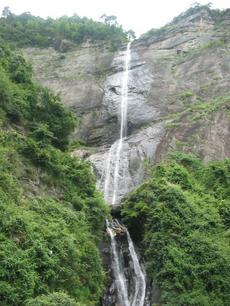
pixel 127 296
pixel 123 125
pixel 115 152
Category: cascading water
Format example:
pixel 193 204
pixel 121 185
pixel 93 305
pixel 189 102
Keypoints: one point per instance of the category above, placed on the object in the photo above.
pixel 120 279
pixel 123 124
pixel 140 284
pixel 126 296
pixel 115 152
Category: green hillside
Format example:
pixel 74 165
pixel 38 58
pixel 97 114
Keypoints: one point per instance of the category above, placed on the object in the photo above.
pixel 61 33
pixel 181 217
pixel 51 214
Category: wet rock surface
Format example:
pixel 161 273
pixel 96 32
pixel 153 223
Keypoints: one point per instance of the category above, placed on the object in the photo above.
pixel 110 297
pixel 138 150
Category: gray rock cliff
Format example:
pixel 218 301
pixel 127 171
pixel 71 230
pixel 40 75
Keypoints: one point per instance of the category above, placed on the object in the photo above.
pixel 179 83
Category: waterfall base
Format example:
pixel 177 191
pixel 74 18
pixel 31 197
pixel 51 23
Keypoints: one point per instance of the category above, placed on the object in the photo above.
pixel 127 286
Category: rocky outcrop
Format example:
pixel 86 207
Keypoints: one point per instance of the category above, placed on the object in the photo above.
pixel 183 33
pixel 138 152
pixel 78 77
pixel 189 60
pixel 208 137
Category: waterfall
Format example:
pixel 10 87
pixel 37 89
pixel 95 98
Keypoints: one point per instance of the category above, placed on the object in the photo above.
pixel 107 175
pixel 114 229
pixel 117 268
pixel 140 284
pixel 123 124
pixel 113 161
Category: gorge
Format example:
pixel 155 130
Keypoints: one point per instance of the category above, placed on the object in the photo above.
pixel 115 162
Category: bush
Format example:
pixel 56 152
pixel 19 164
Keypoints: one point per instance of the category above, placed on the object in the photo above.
pixel 182 217
pixel 53 299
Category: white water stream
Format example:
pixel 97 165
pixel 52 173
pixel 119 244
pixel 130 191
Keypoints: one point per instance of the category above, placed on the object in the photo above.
pixel 135 296
pixel 140 284
pixel 123 125
pixel 120 279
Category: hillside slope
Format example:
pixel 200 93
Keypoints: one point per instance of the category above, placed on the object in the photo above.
pixel 180 218
pixel 51 213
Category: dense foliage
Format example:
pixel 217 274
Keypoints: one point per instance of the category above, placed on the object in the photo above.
pixel 27 30
pixel 53 299
pixel 25 103
pixel 181 216
pixel 51 215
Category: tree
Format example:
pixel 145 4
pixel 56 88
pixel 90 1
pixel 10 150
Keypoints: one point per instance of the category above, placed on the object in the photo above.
pixel 131 34
pixel 6 12
pixel 197 5
pixel 109 19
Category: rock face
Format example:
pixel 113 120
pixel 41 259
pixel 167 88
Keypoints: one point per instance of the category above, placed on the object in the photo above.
pixel 138 150
pixel 140 145
pixel 78 77
pixel 179 84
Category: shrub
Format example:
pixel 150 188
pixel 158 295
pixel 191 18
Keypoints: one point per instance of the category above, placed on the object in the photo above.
pixel 181 219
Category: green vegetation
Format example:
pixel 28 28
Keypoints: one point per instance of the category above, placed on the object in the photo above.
pixel 28 105
pixel 53 299
pixel 62 33
pixel 180 216
pixel 203 109
pixel 51 215
pixel 197 110
pixel 184 96
pixel 196 52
